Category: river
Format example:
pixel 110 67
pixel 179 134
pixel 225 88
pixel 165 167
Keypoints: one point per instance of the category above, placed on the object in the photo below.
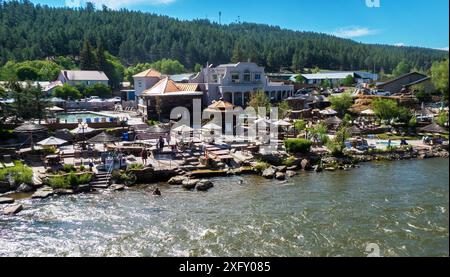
pixel 402 207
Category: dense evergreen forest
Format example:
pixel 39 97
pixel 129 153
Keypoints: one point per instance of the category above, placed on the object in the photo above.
pixel 33 32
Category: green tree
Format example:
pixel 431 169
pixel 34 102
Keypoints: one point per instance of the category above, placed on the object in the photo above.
pixel 402 68
pixel 300 79
pixel 300 125
pixel 198 67
pixel 337 145
pixel 439 77
pixel 87 57
pixel 387 109
pixel 259 99
pixel 341 103
pixel 67 92
pixel 100 90
pixel 27 73
pixel 319 133
pixel 442 119
pixel 348 81
pixel 284 109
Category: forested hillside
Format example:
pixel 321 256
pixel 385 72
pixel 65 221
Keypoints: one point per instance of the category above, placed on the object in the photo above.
pixel 32 32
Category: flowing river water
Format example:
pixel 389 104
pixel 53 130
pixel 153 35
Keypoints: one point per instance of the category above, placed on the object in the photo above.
pixel 402 207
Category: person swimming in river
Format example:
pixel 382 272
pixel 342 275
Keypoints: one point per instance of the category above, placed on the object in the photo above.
pixel 157 192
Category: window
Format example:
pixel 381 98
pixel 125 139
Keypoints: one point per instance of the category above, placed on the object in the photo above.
pixel 139 84
pixel 235 77
pixel 215 78
pixel 257 76
pixel 247 76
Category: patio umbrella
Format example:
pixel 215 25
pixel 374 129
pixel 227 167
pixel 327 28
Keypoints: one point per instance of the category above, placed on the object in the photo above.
pixel 103 138
pixel 55 109
pixel 211 127
pixel 282 123
pixel 354 130
pixel 52 141
pixel 368 112
pixel 329 112
pixel 434 128
pixel 156 129
pixel 82 129
pixel 183 129
pixel 333 121
pixel 30 128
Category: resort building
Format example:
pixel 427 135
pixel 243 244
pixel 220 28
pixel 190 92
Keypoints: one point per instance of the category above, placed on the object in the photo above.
pixel 82 77
pixel 235 83
pixel 160 99
pixel 336 78
pixel 406 82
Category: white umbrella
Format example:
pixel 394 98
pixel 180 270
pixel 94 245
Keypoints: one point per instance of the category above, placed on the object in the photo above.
pixel 368 112
pixel 329 112
pixel 82 130
pixel 282 123
pixel 52 141
pixel 211 126
pixel 183 129
pixel 55 109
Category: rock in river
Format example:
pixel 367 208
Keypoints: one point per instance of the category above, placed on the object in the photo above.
pixel 6 200
pixel 269 173
pixel 291 173
pixel 117 187
pixel 43 193
pixel 63 191
pixel 190 183
pixel 177 180
pixel 204 185
pixel 12 210
pixel 280 176
pixel 306 164
pixel 25 188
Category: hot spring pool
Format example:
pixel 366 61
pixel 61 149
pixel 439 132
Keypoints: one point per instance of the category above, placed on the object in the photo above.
pixel 85 117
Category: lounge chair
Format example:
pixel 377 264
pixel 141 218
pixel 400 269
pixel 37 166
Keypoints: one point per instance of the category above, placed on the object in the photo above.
pixel 88 120
pixel 97 120
pixel 7 161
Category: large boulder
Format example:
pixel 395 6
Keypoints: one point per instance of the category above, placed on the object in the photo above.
pixel 43 193
pixel 269 173
pixel 280 176
pixel 177 180
pixel 6 200
pixel 12 210
pixel 190 183
pixel 204 185
pixel 83 188
pixel 281 168
pixel 63 191
pixel 25 188
pixel 117 187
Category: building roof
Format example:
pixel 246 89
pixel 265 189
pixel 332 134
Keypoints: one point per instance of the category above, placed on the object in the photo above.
pixel 221 105
pixel 401 77
pixel 340 75
pixel 167 86
pixel 418 81
pixel 148 73
pixel 84 75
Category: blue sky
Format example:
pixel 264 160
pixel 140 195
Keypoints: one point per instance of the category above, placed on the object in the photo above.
pixel 422 23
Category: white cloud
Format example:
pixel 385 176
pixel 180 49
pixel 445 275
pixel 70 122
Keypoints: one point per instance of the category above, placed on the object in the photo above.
pixel 399 44
pixel 443 49
pixel 116 4
pixel 354 31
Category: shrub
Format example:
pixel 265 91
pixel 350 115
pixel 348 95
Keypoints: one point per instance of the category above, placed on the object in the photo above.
pixel 135 167
pixel 289 161
pixel 69 168
pixel 84 179
pixel 59 182
pixel 298 146
pixel 20 173
pixel 261 166
pixel 69 181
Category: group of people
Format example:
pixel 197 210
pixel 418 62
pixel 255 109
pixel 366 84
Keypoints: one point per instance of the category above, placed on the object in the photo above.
pixel 159 146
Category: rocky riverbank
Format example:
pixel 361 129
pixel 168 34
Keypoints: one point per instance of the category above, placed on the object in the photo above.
pixel 278 168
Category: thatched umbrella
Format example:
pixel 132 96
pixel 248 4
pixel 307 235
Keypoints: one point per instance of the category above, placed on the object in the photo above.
pixel 354 130
pixel 183 129
pixel 103 138
pixel 334 120
pixel 434 129
pixel 30 128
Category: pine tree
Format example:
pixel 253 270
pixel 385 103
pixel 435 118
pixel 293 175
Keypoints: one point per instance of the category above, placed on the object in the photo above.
pixel 87 57
pixel 100 56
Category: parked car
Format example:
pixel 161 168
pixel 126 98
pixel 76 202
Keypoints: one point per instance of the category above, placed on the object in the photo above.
pixel 380 92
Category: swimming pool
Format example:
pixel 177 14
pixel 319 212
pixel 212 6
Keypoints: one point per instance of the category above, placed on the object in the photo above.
pixel 85 117
pixel 386 143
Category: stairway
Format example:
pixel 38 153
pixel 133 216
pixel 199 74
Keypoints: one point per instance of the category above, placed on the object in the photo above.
pixel 101 180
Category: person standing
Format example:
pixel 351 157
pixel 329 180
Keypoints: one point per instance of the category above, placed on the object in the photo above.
pixel 161 143
pixel 144 156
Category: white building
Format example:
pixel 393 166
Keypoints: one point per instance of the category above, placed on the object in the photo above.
pixel 337 77
pixel 82 77
pixel 235 82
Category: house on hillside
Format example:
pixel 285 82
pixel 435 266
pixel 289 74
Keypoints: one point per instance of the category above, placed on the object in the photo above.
pixel 336 78
pixel 406 82
pixel 82 77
